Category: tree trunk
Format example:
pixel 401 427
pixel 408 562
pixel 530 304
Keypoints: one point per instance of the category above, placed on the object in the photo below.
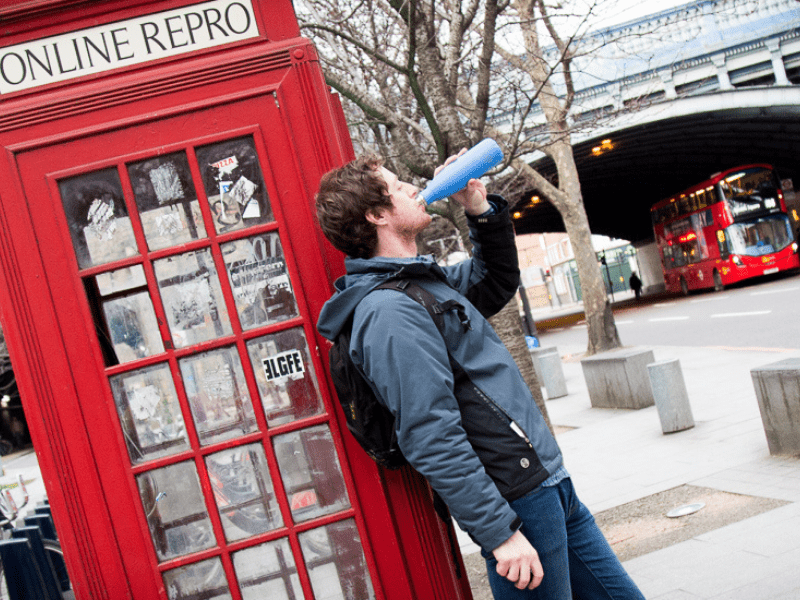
pixel 602 330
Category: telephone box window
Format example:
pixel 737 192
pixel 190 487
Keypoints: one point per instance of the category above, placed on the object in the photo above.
pixel 129 330
pixel 150 414
pixel 259 280
pixel 205 579
pixel 175 510
pixel 285 376
pixel 98 218
pixel 218 396
pixel 336 564
pixel 234 184
pixel 167 200
pixel 243 491
pixel 311 473
pixel 192 297
pixel 267 571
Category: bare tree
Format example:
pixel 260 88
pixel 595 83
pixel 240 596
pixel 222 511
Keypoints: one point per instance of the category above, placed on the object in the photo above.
pixel 533 17
pixel 418 76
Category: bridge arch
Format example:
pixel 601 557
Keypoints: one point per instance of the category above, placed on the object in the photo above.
pixel 668 146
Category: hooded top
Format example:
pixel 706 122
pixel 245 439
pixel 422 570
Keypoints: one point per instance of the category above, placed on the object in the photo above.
pixel 475 434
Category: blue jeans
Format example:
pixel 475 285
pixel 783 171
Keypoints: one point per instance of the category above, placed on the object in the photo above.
pixel 575 556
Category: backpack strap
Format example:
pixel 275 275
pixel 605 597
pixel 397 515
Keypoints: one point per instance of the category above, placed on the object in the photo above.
pixel 435 308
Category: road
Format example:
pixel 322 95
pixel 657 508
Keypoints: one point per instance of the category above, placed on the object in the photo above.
pixel 758 314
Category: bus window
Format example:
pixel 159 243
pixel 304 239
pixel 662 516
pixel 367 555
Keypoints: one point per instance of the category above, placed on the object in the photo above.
pixel 702 200
pixel 675 255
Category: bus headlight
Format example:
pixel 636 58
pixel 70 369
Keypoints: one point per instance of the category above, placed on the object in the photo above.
pixel 794 247
pixel 736 260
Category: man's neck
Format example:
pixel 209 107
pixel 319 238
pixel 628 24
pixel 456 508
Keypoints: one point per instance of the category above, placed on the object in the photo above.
pixel 395 247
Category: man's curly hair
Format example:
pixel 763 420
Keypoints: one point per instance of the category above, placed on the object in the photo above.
pixel 345 197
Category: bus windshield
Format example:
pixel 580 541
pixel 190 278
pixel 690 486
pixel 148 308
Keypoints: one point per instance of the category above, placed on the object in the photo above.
pixel 760 236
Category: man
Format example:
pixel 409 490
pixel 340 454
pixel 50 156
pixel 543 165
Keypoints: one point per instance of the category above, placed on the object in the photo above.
pixel 636 284
pixel 474 430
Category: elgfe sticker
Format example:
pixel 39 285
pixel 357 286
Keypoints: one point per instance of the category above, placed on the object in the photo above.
pixel 285 365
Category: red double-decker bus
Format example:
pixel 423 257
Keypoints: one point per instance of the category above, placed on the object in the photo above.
pixel 731 227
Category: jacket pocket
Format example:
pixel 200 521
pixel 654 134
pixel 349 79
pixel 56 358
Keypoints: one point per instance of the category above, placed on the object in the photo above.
pixel 506 453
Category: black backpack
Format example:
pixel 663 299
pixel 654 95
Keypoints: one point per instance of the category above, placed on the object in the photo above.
pixel 368 420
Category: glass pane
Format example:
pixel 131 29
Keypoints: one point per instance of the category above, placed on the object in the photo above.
pixel 234 184
pixel 98 218
pixel 260 282
pixel 200 581
pixel 175 510
pixel 336 564
pixel 121 280
pixel 243 491
pixel 217 392
pixel 311 473
pixel 285 376
pixel 133 327
pixel 268 571
pixel 149 412
pixel 167 200
pixel 192 298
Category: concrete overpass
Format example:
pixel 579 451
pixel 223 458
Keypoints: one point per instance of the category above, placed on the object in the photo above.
pixel 729 95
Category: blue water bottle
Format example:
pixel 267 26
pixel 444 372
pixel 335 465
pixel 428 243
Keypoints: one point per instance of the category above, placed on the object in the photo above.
pixel 470 165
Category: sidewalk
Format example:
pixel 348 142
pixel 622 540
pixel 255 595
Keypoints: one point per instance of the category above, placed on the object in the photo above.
pixel 620 456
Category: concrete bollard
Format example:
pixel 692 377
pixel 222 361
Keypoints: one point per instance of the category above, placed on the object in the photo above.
pixel 618 378
pixel 669 392
pixel 552 373
pixel 535 352
pixel 777 388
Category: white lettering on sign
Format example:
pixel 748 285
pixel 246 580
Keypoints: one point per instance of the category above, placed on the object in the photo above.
pixel 125 43
pixel 285 365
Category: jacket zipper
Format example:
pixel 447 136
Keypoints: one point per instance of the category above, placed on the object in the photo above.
pixel 513 425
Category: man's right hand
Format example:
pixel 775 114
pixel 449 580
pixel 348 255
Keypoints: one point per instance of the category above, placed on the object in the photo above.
pixel 519 562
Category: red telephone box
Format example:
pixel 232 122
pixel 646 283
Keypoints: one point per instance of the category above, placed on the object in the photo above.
pixel 161 278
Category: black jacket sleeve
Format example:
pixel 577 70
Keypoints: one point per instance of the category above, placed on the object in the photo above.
pixel 495 278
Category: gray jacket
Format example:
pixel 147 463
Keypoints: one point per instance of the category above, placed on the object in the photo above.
pixel 472 430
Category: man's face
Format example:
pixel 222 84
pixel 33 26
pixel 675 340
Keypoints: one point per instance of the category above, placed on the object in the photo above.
pixel 408 215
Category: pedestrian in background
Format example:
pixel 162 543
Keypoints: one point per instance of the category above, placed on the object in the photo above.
pixel 636 284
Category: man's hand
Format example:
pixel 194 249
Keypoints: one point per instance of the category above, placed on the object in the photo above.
pixel 473 196
pixel 519 562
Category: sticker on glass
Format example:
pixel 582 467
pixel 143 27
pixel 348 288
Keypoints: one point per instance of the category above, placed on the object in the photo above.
pixel 242 194
pixel 168 224
pixel 101 222
pixel 143 402
pixel 166 183
pixel 284 366
pixel 226 165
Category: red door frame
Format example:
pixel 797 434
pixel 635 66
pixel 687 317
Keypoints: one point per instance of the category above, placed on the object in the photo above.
pixel 45 317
